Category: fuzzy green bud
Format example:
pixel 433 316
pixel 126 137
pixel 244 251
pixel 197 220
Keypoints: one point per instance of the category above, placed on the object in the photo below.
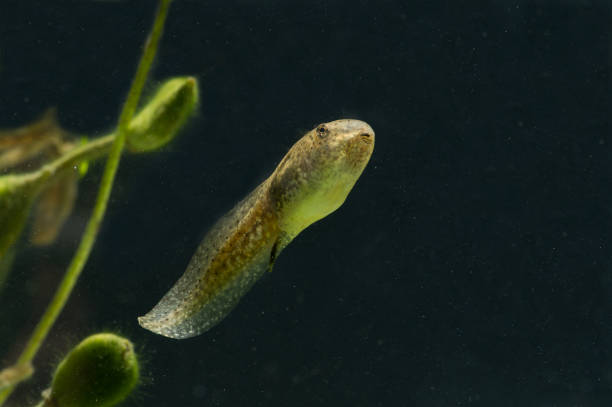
pixel 99 372
pixel 161 119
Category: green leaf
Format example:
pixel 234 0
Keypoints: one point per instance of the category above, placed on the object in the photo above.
pixel 17 193
pixel 161 119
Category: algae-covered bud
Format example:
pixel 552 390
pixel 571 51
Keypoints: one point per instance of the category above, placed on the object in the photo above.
pixel 101 371
pixel 161 119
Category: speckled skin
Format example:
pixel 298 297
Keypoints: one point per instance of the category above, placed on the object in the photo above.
pixel 313 179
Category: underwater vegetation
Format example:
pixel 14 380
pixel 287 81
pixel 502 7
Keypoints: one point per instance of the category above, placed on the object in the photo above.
pixel 103 369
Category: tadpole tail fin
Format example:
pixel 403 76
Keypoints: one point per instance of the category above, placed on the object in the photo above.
pixel 232 256
pixel 182 313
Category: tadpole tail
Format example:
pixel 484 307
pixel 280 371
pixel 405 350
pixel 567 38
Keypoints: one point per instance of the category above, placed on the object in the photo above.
pixel 182 313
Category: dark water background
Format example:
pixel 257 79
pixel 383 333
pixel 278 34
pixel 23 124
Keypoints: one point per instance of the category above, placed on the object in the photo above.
pixel 471 265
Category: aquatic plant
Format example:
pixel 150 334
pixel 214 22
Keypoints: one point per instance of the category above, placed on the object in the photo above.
pixel 155 125
pixel 101 371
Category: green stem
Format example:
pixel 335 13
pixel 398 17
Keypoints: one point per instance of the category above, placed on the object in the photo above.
pixel 93 225
pixel 88 151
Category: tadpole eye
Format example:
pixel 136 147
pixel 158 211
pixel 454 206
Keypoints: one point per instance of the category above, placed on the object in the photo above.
pixel 322 131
